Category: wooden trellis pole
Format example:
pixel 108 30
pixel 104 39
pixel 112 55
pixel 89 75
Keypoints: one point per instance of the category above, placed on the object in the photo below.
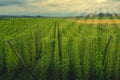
pixel 21 59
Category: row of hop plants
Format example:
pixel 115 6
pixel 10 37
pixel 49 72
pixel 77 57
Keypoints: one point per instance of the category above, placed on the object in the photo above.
pixel 24 44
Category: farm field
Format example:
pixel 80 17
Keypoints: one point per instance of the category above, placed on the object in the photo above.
pixel 59 49
pixel 98 21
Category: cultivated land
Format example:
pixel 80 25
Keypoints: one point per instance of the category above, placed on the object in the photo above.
pixel 98 21
pixel 59 49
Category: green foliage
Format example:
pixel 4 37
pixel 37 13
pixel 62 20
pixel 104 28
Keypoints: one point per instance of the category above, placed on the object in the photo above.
pixel 58 49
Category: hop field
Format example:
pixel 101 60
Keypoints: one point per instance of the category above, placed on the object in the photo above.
pixel 59 49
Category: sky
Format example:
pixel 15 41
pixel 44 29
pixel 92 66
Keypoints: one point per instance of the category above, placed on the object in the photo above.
pixel 58 7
